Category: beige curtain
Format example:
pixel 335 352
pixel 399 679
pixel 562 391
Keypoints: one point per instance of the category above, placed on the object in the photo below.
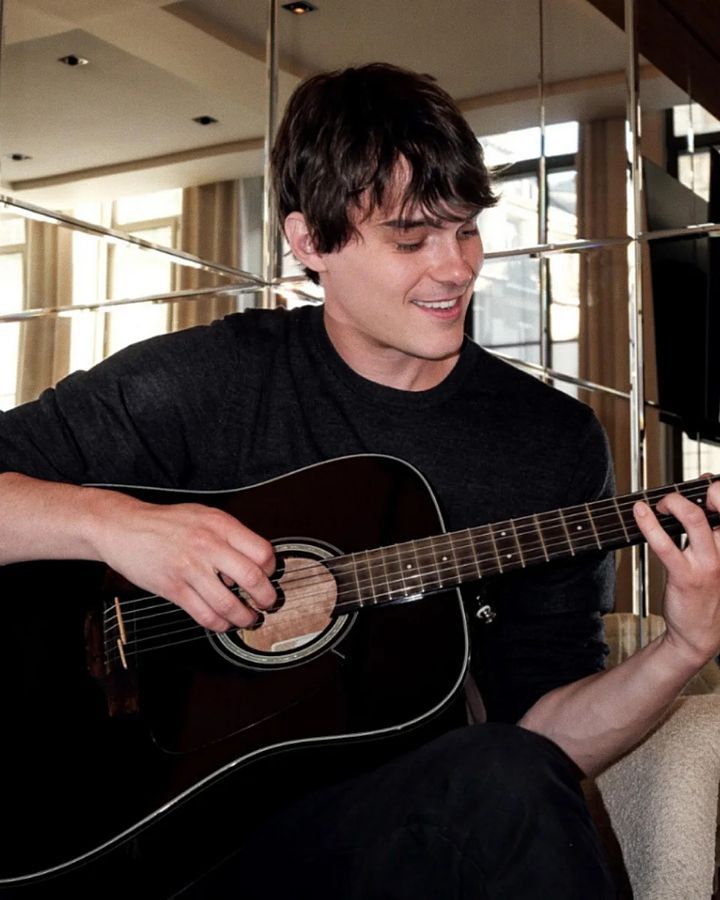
pixel 44 352
pixel 211 230
pixel 604 280
pixel 604 337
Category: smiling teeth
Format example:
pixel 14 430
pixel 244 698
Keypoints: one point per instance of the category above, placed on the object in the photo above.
pixel 439 304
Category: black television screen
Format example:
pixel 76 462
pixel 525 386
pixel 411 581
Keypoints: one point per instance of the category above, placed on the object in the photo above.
pixel 686 302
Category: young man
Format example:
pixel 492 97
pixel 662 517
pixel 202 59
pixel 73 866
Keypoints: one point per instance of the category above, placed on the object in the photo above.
pixel 379 182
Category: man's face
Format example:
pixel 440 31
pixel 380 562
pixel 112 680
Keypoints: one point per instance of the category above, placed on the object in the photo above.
pixel 397 293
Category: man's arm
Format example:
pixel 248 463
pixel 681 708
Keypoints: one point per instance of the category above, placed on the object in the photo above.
pixel 176 551
pixel 599 717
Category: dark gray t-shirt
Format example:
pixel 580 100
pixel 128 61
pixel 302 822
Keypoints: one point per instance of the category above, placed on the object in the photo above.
pixel 261 393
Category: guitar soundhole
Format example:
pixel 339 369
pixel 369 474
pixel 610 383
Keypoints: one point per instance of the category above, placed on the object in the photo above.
pixel 303 625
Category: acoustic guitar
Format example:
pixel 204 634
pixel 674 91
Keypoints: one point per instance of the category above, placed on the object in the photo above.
pixel 138 748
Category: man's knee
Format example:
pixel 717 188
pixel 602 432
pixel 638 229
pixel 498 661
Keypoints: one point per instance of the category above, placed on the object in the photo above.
pixel 500 760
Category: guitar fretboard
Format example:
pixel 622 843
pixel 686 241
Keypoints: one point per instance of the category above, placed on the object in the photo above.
pixel 413 569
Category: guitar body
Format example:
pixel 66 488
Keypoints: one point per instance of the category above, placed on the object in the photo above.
pixel 142 775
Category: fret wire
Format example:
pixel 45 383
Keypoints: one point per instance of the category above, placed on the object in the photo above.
pixel 540 534
pixel 622 522
pixel 418 569
pixel 435 548
pixel 373 571
pixel 505 542
pixel 488 555
pixel 357 581
pixel 451 555
pixel 592 525
pixel 495 549
pixel 567 533
pixel 398 566
pixel 383 556
pixel 361 584
pixel 427 564
pixel 517 541
pixel 474 553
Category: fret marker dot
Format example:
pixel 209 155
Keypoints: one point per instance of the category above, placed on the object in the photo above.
pixel 503 533
pixel 579 528
pixel 408 566
pixel 444 559
pixel 509 556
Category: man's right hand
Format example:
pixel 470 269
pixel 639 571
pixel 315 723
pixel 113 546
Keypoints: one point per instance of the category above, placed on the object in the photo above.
pixel 186 553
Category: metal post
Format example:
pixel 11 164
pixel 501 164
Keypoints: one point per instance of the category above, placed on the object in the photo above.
pixel 544 281
pixel 638 472
pixel 270 256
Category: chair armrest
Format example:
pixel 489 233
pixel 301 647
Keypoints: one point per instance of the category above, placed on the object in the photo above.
pixel 662 800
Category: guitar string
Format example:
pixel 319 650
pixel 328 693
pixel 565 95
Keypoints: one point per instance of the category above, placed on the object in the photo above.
pixel 370 584
pixel 521 527
pixel 485 557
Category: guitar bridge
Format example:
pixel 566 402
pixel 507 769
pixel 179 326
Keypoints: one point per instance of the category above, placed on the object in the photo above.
pixel 105 641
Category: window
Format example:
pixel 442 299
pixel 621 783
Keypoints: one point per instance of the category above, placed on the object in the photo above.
pixel 699 457
pixel 507 307
pixel 691 133
pixel 120 271
pixel 12 270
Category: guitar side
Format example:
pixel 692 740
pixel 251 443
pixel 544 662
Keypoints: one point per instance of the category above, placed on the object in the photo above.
pixel 208 746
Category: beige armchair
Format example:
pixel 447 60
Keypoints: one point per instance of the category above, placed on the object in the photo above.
pixel 661 799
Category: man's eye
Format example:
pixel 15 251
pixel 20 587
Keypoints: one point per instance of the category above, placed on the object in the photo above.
pixel 409 248
pixel 468 232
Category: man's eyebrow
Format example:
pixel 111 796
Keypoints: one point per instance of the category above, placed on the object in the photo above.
pixel 424 222
pixel 409 224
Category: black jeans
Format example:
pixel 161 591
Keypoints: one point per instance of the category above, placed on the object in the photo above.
pixel 488 811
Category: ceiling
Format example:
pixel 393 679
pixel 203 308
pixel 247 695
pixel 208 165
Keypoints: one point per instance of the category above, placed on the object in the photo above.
pixel 123 123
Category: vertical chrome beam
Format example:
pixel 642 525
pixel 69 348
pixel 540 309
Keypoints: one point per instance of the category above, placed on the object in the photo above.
pixel 544 281
pixel 2 42
pixel 635 299
pixel 270 254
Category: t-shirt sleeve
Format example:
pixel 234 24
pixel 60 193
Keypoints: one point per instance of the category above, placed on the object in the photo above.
pixel 150 414
pixel 548 629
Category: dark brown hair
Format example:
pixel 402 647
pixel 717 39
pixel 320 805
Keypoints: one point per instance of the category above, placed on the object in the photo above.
pixel 340 140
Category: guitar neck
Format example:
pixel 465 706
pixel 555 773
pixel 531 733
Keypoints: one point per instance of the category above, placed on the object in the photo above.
pixel 413 569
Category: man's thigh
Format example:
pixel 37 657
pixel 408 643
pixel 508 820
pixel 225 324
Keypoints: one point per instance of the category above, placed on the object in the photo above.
pixel 483 811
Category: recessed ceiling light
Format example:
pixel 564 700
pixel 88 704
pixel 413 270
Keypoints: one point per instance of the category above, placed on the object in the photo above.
pixel 73 60
pixel 299 8
pixel 205 120
pixel 18 157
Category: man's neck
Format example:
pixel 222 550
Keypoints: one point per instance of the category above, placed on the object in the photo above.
pixel 387 365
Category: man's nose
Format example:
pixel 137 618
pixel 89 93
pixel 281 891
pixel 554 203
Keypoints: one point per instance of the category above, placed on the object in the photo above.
pixel 454 266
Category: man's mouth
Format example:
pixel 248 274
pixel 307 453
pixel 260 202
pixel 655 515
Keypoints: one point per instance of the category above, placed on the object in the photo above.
pixel 437 304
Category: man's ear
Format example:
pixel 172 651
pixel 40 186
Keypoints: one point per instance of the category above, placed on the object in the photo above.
pixel 302 243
